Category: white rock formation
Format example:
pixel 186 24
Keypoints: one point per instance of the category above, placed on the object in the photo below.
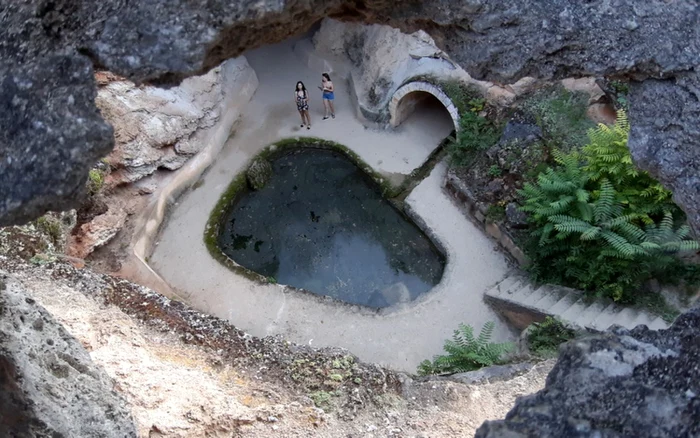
pixel 158 128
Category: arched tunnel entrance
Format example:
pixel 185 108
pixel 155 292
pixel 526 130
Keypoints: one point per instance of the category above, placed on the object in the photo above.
pixel 421 100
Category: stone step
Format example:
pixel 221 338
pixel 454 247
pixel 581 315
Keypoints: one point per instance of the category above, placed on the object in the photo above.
pixel 501 288
pixel 627 317
pixel 644 318
pixel 574 311
pixel 519 295
pixel 570 306
pixel 585 318
pixel 552 296
pixel 606 318
pixel 567 301
pixel 535 296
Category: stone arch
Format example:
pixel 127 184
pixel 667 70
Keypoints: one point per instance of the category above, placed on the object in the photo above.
pixel 400 108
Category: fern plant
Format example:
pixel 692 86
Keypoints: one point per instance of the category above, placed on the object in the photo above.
pixel 466 352
pixel 475 134
pixel 606 156
pixel 544 338
pixel 583 236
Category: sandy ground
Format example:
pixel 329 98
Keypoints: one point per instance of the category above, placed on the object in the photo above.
pixel 399 338
pixel 177 389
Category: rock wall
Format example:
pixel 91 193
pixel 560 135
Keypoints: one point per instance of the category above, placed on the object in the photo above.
pixel 158 128
pixel 665 137
pixel 161 128
pixel 640 383
pixel 48 384
pixel 48 50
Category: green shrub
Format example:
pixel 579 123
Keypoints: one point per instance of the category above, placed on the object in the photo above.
pixel 562 117
pixel 496 213
pixel 582 235
pixel 96 180
pixel 51 227
pixel 544 338
pixel 466 353
pixel 475 134
pixel 494 170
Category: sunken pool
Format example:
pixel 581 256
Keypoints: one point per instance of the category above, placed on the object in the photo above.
pixel 321 224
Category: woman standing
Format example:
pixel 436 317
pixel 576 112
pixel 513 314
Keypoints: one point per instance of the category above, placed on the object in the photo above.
pixel 301 98
pixel 328 95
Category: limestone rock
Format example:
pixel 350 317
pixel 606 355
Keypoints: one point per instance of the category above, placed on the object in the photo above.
pixel 48 384
pixel 665 137
pixel 97 232
pixel 259 173
pixel 640 383
pixel 515 217
pixel 156 128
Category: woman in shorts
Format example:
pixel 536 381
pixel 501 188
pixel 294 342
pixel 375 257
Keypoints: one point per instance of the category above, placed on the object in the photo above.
pixel 328 95
pixel 301 97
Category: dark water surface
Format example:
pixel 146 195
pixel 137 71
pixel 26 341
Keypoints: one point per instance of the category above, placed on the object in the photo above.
pixel 320 224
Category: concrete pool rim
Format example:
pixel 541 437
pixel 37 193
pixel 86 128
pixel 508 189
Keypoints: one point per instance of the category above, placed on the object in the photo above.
pixel 277 149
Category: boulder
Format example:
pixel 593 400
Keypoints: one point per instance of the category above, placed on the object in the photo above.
pixel 259 173
pixel 515 217
pixel 665 137
pixel 96 233
pixel 641 383
pixel 49 386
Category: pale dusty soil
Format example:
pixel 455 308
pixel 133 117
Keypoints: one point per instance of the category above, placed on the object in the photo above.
pixel 178 389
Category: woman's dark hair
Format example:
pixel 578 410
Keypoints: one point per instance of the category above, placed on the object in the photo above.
pixel 303 88
pixel 325 75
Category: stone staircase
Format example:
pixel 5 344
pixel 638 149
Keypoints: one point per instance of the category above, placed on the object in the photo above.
pixel 516 295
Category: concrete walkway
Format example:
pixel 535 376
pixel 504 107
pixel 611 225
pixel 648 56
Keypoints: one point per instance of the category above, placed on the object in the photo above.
pixel 398 337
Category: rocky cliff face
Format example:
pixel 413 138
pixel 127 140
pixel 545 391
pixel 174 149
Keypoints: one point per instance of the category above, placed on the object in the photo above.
pixel 48 50
pixel 48 384
pixel 639 383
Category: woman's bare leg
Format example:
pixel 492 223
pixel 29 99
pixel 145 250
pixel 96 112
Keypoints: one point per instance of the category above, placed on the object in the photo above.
pixel 330 104
pixel 303 122
pixel 308 118
pixel 325 108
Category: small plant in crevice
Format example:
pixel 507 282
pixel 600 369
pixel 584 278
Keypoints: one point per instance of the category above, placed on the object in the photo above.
pixel 495 170
pixel 496 212
pixel 544 338
pixel 476 134
pixel 465 98
pixel 620 90
pixel 465 352
pixel 51 227
pixel 561 114
pixel 96 180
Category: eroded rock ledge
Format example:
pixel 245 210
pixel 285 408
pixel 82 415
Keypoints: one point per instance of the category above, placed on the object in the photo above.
pixel 640 383
pixel 48 49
